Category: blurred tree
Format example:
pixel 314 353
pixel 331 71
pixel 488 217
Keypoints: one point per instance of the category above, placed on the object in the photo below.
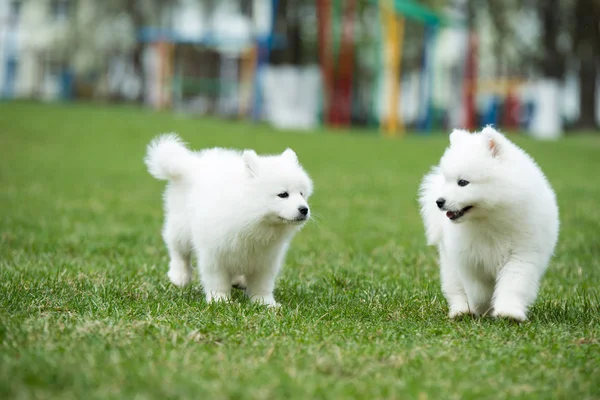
pixel 569 38
pixel 288 21
pixel 100 29
pixel 499 11
pixel 95 32
pixel 553 60
pixel 586 46
pixel 142 13
pixel 516 52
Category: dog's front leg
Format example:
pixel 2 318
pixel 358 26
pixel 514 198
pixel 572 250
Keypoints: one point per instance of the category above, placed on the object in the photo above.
pixel 216 280
pixel 479 292
pixel 452 286
pixel 516 289
pixel 261 284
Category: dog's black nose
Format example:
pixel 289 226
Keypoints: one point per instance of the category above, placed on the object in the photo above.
pixel 303 210
pixel 440 202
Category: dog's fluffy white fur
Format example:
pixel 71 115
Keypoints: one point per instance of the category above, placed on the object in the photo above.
pixel 235 210
pixel 494 218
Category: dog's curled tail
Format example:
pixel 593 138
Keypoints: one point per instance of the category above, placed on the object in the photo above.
pixel 432 218
pixel 167 157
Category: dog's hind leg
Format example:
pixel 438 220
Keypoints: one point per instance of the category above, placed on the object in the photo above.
pixel 180 268
pixel 180 265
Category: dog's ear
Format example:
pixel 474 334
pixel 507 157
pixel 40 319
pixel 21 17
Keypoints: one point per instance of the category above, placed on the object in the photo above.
pixel 457 135
pixel 251 161
pixel 290 155
pixel 493 140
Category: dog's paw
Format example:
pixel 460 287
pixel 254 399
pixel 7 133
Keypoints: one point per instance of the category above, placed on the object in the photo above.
pixel 517 316
pixel 458 314
pixel 180 277
pixel 514 313
pixel 268 301
pixel 460 310
pixel 461 314
pixel 213 297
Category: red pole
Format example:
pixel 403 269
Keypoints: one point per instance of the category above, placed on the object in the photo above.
pixel 343 96
pixel 511 108
pixel 325 56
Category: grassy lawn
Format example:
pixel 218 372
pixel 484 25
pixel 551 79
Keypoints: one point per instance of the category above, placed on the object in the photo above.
pixel 87 311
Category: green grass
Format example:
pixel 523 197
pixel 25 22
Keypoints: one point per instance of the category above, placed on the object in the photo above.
pixel 86 309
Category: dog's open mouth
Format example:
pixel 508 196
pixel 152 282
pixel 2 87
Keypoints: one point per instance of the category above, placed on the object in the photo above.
pixel 454 215
pixel 298 220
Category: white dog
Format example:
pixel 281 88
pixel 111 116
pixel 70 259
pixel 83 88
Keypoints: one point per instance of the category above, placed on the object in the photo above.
pixel 493 216
pixel 236 210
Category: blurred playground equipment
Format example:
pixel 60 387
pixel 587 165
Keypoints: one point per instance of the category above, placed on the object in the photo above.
pixel 217 71
pixel 393 64
pixel 230 68
pixel 499 101
pixel 337 50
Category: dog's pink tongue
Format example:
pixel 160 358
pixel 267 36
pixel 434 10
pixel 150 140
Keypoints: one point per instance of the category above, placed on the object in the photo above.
pixel 450 214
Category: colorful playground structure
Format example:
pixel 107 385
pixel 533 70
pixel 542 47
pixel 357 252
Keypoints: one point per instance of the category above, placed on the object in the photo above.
pixel 337 49
pixel 234 77
pixel 336 57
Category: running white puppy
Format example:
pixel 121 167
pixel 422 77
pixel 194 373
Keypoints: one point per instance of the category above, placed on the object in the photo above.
pixel 236 210
pixel 493 216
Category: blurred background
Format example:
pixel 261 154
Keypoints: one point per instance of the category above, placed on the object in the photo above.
pixel 395 65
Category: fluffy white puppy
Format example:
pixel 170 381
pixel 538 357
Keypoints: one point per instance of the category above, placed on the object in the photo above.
pixel 236 211
pixel 493 216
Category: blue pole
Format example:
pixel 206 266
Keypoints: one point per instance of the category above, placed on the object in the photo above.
pixel 264 45
pixel 423 83
pixel 426 118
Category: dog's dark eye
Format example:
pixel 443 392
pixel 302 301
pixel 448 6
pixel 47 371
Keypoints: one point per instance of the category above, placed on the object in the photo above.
pixel 283 195
pixel 301 194
pixel 462 182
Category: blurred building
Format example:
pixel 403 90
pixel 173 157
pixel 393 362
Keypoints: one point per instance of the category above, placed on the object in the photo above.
pixel 30 64
pixel 193 60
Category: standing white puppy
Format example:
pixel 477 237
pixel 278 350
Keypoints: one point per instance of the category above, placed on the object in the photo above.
pixel 493 216
pixel 236 210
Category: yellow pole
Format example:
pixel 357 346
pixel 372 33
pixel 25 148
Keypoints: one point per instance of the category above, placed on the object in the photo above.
pixel 396 124
pixel 248 64
pixel 169 73
pixel 394 36
pixel 160 48
pixel 387 22
pixel 165 74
